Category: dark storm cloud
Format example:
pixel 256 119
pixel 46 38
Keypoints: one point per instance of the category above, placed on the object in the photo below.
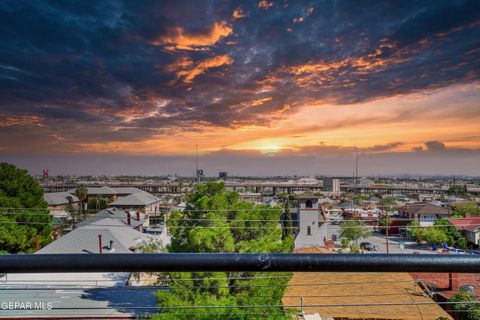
pixel 127 70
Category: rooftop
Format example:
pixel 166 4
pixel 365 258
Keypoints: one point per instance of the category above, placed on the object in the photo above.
pixel 471 223
pixel 424 208
pixel 117 216
pixel 59 198
pixel 440 283
pixel 361 289
pixel 136 199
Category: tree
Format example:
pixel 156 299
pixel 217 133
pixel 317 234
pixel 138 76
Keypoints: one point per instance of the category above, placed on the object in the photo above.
pixel 413 229
pixel 388 203
pixel 458 190
pixel 465 310
pixel 354 230
pixel 454 238
pixel 385 222
pixel 24 213
pixel 434 235
pixel 462 209
pixel 97 204
pixel 215 220
pixel 442 231
pixel 287 221
pixel 358 199
pixel 81 192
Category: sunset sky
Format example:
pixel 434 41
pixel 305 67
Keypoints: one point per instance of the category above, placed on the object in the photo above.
pixel 262 87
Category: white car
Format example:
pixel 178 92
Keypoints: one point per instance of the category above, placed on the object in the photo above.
pixel 457 251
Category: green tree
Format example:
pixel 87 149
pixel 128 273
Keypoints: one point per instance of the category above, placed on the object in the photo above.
pixel 388 203
pixel 385 221
pixel 24 213
pixel 354 230
pixel 81 192
pixel 454 238
pixel 434 235
pixel 462 209
pixel 223 223
pixel 358 199
pixel 413 229
pixel 287 221
pixel 458 190
pixel 466 311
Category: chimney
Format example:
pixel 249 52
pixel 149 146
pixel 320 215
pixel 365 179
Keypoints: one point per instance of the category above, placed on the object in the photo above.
pixel 111 245
pixel 138 216
pixel 100 243
pixel 453 283
pixel 129 219
pixel 36 242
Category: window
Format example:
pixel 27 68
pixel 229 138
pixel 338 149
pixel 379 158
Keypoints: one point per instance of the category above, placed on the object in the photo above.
pixel 309 231
pixel 308 204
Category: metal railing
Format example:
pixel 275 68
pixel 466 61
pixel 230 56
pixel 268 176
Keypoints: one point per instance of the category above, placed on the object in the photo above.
pixel 232 262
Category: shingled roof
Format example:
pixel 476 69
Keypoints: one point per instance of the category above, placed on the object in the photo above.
pixel 326 289
pixel 424 208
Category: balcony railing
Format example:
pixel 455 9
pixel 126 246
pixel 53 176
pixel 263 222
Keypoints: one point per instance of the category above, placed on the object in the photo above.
pixel 232 262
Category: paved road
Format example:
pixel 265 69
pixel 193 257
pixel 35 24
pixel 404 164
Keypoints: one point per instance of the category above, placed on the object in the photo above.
pixel 378 239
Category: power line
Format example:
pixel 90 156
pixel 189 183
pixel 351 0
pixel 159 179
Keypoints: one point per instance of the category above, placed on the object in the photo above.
pixel 330 305
pixel 316 275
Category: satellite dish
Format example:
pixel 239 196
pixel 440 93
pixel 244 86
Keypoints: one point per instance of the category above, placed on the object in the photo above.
pixel 468 288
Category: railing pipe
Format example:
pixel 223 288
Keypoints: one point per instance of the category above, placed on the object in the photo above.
pixel 231 262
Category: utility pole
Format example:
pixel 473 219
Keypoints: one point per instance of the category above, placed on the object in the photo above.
pixel 386 232
pixel 196 164
pixel 356 167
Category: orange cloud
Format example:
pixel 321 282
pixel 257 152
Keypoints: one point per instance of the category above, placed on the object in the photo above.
pixel 260 101
pixel 238 13
pixel 137 110
pixel 181 63
pixel 187 70
pixel 178 39
pixel 265 4
pixel 27 120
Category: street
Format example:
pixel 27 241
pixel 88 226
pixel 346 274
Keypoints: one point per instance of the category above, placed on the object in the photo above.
pixel 379 240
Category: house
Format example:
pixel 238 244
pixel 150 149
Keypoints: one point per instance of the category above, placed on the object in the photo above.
pixel 134 220
pixel 256 197
pixel 115 235
pixel 105 192
pixel 424 212
pixel 469 227
pixel 346 295
pixel 109 193
pixel 60 202
pixel 312 230
pixel 100 294
pixel 442 286
pixel 139 201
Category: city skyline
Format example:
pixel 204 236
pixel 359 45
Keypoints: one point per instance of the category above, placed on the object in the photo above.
pixel 263 88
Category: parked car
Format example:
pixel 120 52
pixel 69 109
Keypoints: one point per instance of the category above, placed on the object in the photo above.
pixel 366 246
pixel 457 251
